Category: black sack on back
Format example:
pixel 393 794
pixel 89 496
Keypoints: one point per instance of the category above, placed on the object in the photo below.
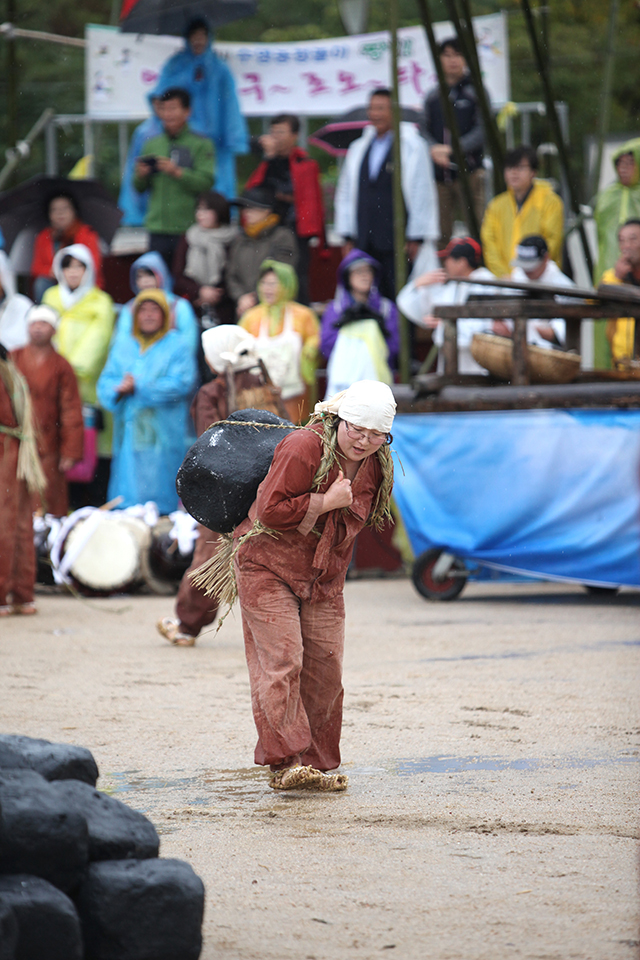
pixel 222 471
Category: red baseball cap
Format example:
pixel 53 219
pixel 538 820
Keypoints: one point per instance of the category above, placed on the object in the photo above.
pixel 463 248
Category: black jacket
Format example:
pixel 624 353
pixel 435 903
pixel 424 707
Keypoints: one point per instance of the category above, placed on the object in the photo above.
pixel 470 127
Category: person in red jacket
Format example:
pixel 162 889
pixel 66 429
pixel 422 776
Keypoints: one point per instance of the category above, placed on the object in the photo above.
pixel 294 179
pixel 65 228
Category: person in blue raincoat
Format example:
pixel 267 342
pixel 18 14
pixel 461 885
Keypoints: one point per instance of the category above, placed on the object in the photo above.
pixel 147 384
pixel 148 272
pixel 215 110
pixel 132 203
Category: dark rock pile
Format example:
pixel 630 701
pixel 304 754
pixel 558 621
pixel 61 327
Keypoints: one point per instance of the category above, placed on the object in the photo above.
pixel 80 877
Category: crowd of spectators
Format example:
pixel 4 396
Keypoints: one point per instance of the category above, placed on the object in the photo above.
pixel 126 374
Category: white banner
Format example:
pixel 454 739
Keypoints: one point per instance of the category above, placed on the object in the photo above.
pixel 311 78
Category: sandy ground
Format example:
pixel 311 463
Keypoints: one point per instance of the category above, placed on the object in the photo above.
pixel 492 746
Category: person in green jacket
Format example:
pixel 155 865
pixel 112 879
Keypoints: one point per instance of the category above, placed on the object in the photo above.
pixel 176 166
pixel 616 204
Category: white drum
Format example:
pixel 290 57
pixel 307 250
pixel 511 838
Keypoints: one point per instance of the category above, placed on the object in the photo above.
pixel 101 551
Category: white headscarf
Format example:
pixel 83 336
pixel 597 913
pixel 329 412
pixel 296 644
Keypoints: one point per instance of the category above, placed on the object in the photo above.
pixel 43 311
pixel 229 346
pixel 13 309
pixel 83 254
pixel 366 403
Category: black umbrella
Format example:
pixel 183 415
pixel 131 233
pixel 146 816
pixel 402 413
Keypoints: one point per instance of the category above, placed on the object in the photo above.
pixel 336 137
pixel 172 17
pixel 26 206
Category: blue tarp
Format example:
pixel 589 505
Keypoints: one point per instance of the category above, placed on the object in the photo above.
pixel 547 493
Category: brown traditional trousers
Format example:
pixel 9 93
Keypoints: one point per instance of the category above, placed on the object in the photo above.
pixel 294 653
pixel 194 609
pixel 290 590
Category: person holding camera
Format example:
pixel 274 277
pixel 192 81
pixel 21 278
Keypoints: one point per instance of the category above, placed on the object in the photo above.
pixel 176 166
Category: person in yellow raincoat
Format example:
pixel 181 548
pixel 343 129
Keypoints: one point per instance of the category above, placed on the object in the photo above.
pixel 621 332
pixel 527 207
pixel 287 336
pixel 83 337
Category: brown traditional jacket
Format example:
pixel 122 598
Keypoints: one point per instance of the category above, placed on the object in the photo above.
pixel 57 410
pixel 312 551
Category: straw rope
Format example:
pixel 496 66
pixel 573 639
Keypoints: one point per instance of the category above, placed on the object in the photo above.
pixel 29 465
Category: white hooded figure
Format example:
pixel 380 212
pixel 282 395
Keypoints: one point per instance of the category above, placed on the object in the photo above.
pixel 86 316
pixel 14 332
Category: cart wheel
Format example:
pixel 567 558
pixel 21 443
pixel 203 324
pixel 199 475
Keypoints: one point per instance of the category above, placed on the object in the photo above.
pixel 446 588
pixel 600 591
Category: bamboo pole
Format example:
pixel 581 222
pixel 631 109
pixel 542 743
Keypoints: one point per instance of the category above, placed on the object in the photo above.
pixel 552 113
pixel 463 173
pixel 605 95
pixel 399 213
pixel 464 29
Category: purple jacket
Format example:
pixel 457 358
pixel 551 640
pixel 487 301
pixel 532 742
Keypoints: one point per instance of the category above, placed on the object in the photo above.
pixel 343 299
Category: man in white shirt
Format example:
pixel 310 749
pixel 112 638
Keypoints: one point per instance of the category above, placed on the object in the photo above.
pixel 364 194
pixel 451 284
pixel 532 264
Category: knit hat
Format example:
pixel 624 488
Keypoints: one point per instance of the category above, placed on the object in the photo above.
pixel 43 312
pixel 229 345
pixel 366 403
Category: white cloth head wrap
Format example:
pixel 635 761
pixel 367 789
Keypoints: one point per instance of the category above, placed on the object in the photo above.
pixel 367 403
pixel 43 311
pixel 229 346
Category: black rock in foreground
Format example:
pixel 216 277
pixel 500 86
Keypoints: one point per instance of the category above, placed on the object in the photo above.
pixel 116 832
pixel 8 930
pixel 39 834
pixel 55 761
pixel 141 910
pixel 222 471
pixel 48 927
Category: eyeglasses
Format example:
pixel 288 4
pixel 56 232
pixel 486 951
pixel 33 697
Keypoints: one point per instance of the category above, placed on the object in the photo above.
pixel 369 436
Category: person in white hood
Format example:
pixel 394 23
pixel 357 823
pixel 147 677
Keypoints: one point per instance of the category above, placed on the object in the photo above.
pixel 86 324
pixel 86 316
pixel 14 307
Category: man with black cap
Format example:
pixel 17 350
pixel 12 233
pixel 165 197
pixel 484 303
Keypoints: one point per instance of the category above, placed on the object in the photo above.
pixel 450 284
pixel 532 264
pixel 263 237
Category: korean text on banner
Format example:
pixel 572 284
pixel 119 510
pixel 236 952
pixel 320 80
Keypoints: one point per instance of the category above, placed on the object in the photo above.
pixel 311 78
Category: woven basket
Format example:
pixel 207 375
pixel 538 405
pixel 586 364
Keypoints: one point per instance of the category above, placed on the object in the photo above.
pixel 545 366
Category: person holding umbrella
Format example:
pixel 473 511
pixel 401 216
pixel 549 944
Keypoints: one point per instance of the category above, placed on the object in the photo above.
pixel 215 111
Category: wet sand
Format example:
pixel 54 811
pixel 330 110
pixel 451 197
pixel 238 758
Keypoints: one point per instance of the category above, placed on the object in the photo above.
pixel 492 746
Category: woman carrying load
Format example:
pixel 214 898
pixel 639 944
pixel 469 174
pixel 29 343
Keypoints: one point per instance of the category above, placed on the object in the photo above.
pixel 326 482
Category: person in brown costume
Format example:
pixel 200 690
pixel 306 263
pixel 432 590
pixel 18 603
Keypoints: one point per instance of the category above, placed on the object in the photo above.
pixel 57 407
pixel 239 384
pixel 326 482
pixel 21 476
